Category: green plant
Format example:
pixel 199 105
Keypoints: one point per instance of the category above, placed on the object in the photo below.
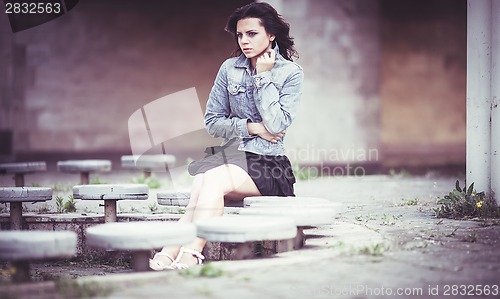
pixel 305 173
pixel 59 204
pixel 153 207
pixel 207 270
pixel 375 249
pixel 34 184
pixel 70 205
pixel 151 181
pixel 467 203
pixel 97 181
pixel 410 202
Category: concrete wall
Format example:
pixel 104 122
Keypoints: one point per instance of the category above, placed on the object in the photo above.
pixel 384 80
pixel 423 76
pixel 338 45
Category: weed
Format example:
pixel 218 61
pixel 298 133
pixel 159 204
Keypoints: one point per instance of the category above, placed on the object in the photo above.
pixel 206 270
pixel 305 173
pixel 151 181
pixel 153 207
pixel 43 209
pixel 375 249
pixel 97 181
pixel 402 173
pixel 467 203
pixel 35 184
pixel 387 220
pixel 70 205
pixel 59 204
pixel 410 202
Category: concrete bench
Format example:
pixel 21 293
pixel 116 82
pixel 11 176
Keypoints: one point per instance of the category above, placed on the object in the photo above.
pixel 15 196
pixel 23 247
pixel 141 238
pixel 148 163
pixel 21 169
pixel 173 198
pixel 84 168
pixel 240 235
pixel 111 193
pixel 307 212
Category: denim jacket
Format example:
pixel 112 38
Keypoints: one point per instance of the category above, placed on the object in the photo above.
pixel 238 97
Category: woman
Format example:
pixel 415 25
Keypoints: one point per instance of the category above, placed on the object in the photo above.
pixel 253 101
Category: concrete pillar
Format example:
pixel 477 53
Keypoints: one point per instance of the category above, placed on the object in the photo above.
pixel 495 96
pixel 478 158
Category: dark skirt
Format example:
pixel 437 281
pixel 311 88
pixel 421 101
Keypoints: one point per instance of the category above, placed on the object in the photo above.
pixel 273 175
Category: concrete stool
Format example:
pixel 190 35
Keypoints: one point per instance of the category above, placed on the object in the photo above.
pixel 148 163
pixel 242 232
pixel 16 196
pixel 140 237
pixel 111 193
pixel 20 169
pixel 173 198
pixel 304 218
pixel 307 212
pixel 23 247
pixel 84 168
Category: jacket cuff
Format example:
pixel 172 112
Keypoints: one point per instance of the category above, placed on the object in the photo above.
pixel 262 79
pixel 243 129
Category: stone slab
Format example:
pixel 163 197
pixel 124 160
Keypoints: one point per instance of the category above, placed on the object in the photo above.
pixel 111 192
pixel 143 235
pixel 37 244
pixel 240 229
pixel 150 162
pixel 303 216
pixel 23 167
pixel 77 166
pixel 25 194
pixel 173 198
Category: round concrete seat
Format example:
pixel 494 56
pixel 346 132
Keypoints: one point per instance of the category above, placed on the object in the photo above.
pixel 20 169
pixel 111 193
pixel 17 195
pixel 173 198
pixel 243 236
pixel 148 163
pixel 21 247
pixel 140 237
pixel 84 167
pixel 240 229
pixel 303 216
pixel 290 200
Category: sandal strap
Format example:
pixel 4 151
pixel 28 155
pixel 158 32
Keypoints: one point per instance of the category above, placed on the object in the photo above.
pixel 193 252
pixel 163 254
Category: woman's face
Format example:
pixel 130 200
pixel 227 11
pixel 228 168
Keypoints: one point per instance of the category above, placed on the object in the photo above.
pixel 252 37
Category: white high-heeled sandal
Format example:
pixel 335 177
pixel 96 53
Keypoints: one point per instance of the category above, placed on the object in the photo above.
pixel 199 258
pixel 159 265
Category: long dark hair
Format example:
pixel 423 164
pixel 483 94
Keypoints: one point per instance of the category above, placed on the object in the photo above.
pixel 272 22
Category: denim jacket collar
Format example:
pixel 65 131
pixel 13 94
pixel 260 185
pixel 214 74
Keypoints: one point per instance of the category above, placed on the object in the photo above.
pixel 244 62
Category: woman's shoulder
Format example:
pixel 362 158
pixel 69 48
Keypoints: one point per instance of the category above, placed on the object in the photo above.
pixel 289 67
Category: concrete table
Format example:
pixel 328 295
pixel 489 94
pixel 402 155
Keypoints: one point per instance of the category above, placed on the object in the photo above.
pixel 148 163
pixel 17 195
pixel 20 169
pixel 84 168
pixel 111 193
pixel 173 198
pixel 140 237
pixel 244 231
pixel 23 247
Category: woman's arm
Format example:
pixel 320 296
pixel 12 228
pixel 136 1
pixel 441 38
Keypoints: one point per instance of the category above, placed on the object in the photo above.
pixel 277 110
pixel 217 112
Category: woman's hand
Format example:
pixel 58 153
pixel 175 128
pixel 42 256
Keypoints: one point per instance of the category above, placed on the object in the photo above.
pixel 265 62
pixel 260 130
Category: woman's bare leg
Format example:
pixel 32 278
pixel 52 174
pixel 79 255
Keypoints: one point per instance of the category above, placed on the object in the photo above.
pixel 216 183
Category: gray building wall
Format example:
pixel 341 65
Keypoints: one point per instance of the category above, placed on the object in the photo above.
pixel 384 84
